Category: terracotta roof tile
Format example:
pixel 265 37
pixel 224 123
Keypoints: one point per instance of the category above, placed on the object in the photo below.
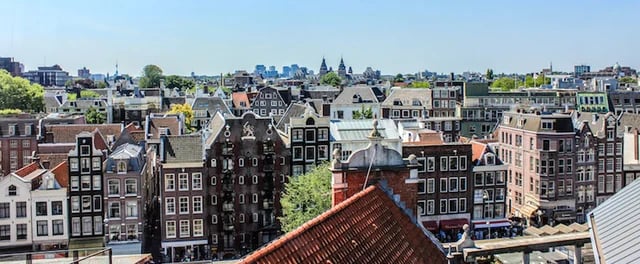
pixel 369 227
pixel 477 150
pixel 239 97
pixel 67 133
pixel 26 170
pixel 61 172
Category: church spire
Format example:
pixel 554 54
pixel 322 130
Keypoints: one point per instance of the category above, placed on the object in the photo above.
pixel 323 67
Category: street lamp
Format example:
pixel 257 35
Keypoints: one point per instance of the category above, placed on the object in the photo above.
pixel 485 197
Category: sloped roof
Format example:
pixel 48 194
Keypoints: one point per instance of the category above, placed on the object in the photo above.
pixel 532 122
pixel 359 129
pixel 477 150
pixel 186 148
pixel 211 104
pixel 239 97
pixel 61 172
pixel 364 93
pixel 67 133
pixel 613 233
pixel 294 110
pixel 369 227
pixel 408 95
pixel 26 170
pixel 172 122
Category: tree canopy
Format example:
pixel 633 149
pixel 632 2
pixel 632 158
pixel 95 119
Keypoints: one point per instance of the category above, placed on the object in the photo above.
pixel 151 76
pixel 399 78
pixel 84 94
pixel 489 74
pixel 627 79
pixel 184 109
pixel 363 113
pixel 175 81
pixel 94 117
pixel 332 79
pixel 529 81
pixel 306 197
pixel 507 83
pixel 419 85
pixel 19 93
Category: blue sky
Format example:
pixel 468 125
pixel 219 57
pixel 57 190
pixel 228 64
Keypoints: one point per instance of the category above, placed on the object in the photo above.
pixel 211 37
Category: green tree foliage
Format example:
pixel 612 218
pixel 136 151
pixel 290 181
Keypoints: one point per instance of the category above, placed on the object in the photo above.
pixel 84 94
pixel 184 109
pixel 175 81
pixel 151 76
pixel 506 84
pixel 529 81
pixel 332 79
pixel 489 74
pixel 419 85
pixel 398 78
pixel 18 93
pixel 627 79
pixel 363 113
pixel 94 117
pixel 101 85
pixel 5 112
pixel 306 197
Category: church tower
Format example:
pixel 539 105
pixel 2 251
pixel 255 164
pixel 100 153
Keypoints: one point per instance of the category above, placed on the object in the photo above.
pixel 323 67
pixel 342 69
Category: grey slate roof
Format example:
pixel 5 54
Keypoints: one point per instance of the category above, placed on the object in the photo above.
pixel 407 96
pixel 341 130
pixel 187 148
pixel 211 104
pixel 532 122
pixel 614 232
pixel 364 93
pixel 294 110
pixel 130 152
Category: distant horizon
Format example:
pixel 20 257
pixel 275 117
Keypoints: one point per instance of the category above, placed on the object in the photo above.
pixel 210 38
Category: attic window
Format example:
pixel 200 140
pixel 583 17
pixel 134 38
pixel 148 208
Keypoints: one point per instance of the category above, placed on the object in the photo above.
pixel 12 130
pixel 122 166
pixel 506 120
pixel 13 191
pixel 490 159
pixel 547 124
pixel 27 130
pixel 521 122
pixel 416 102
pixel 397 102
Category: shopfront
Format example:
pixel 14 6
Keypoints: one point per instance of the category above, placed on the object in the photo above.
pixel 181 251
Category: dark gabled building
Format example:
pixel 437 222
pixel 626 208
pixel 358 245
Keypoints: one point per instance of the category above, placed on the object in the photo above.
pixel 308 137
pixel 85 192
pixel 182 198
pixel 269 102
pixel 247 163
pixel 204 108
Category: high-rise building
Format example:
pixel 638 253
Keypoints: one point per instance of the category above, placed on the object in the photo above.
pixel 48 76
pixel 580 69
pixel 84 73
pixel 13 67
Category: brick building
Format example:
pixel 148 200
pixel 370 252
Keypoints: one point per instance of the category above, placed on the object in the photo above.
pixel 18 141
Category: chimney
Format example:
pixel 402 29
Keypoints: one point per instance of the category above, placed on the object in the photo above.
pixel 452 76
pixel 206 89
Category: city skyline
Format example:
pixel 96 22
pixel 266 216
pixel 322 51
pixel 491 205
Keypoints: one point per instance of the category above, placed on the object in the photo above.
pixel 213 38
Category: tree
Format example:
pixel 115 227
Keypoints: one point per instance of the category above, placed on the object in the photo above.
pixel 101 85
pixel 94 117
pixel 332 79
pixel 489 74
pixel 19 93
pixel 419 85
pixel 84 94
pixel 175 81
pixel 398 78
pixel 184 109
pixel 627 79
pixel 529 81
pixel 151 76
pixel 363 113
pixel 306 197
pixel 507 83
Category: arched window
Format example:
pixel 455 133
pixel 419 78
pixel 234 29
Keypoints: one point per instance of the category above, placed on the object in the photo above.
pixel 310 121
pixel 13 190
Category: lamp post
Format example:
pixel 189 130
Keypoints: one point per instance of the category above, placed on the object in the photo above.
pixel 485 197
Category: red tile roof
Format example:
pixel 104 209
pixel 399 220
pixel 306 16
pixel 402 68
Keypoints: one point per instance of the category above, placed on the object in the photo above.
pixel 477 150
pixel 61 172
pixel 369 227
pixel 26 170
pixel 67 133
pixel 239 97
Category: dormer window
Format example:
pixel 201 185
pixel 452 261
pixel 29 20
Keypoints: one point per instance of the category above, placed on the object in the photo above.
pixel 521 122
pixel 397 102
pixel 490 159
pixel 27 130
pixel 12 130
pixel 416 102
pixel 506 120
pixel 13 190
pixel 547 124
pixel 122 166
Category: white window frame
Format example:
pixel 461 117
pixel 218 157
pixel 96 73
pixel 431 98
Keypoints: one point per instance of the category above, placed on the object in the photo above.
pixel 431 210
pixel 433 185
pixel 254 198
pixel 198 232
pixel 196 201
pixel 180 205
pixel 168 232
pixel 167 201
pixel 196 177
pixel 167 178
pixel 185 232
pixel 186 181
pixel 213 180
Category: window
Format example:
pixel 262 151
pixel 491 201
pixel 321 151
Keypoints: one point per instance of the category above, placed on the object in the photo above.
pixel 197 204
pixel 323 153
pixel 132 209
pixel 42 228
pixel 478 179
pixel 171 229
pixel 5 232
pixel 75 204
pixel 85 165
pixel 430 207
pixel 86 204
pixel 196 181
pixel 75 183
pixel 97 204
pixel 184 204
pixel 254 198
pixel 254 179
pixel 453 184
pixel 241 198
pixel 463 184
pixel 169 182
pixel 241 218
pixel 214 199
pixel 198 229
pixel 214 180
pixel 310 135
pixel 96 163
pixel 489 178
pixel 310 153
pixel 297 135
pixel 297 153
pixel 97 182
pixel 170 205
pixel 547 125
pixel 114 187
pixel 444 163
pixel 75 226
pixel 545 144
pixel 431 185
pixel 114 209
pixel 431 164
pixel 422 208
pixel 85 182
pixel 443 206
pixel 254 162
pixel 463 163
pixel 453 163
pixel 323 134
pixel 183 182
pixel 609 185
pixel 21 209
pixel 131 186
pixel 184 228
pixel 443 185
pixel 84 150
pixel 462 205
pixel 58 227
pixel 97 225
pixel 453 205
pixel 41 208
